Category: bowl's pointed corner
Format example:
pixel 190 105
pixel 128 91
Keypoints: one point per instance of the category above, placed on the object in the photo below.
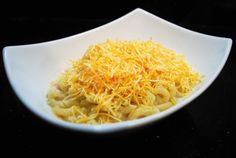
pixel 4 55
pixel 230 41
pixel 139 11
pixel 229 46
pixel 4 50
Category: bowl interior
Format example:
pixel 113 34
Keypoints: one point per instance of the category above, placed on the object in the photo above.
pixel 31 68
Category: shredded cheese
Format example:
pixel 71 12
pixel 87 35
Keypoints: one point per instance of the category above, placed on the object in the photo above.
pixel 121 80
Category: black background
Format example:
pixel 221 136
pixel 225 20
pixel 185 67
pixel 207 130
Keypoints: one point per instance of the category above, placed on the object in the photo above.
pixel 205 128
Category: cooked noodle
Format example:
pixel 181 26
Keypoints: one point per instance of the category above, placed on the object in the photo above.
pixel 121 80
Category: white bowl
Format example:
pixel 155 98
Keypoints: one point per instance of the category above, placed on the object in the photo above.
pixel 31 68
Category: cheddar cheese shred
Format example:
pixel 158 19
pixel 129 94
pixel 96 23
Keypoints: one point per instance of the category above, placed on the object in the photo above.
pixel 121 80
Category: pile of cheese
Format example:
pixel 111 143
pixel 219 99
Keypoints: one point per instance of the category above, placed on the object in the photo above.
pixel 121 80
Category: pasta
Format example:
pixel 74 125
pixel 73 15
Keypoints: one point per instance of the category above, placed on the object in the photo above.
pixel 121 80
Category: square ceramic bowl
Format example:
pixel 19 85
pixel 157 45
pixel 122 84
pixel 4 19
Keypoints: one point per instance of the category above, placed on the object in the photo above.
pixel 31 68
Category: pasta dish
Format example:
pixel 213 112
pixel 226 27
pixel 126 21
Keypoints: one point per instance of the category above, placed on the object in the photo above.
pixel 121 80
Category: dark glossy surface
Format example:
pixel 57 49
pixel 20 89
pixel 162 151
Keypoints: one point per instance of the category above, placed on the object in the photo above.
pixel 205 128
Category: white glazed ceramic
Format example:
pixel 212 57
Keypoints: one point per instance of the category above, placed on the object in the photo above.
pixel 31 68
